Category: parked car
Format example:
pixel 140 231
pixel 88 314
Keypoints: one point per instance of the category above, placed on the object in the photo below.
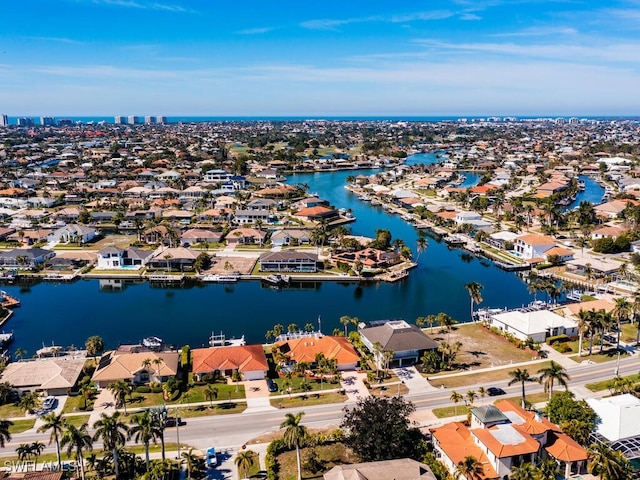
pixel 495 391
pixel 212 458
pixel 271 385
pixel 49 403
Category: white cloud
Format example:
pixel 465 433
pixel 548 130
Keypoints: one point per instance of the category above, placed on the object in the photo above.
pixel 538 32
pixel 255 31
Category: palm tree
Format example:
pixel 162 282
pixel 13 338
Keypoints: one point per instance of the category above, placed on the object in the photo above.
pixel 482 392
pixel 607 463
pixel 421 246
pixel 455 398
pixel 37 448
pixel 471 396
pixel 345 320
pixel 294 435
pixel 113 433
pixel 244 461
pixel 236 376
pixel 211 393
pixel 521 376
pixel 146 363
pixel 635 314
pixel 190 459
pixel 78 439
pixel 550 374
pixel 159 417
pixel 5 434
pixel 474 289
pixel 30 401
pixel 526 471
pixel 94 345
pixel 144 430
pixel 469 468
pixel 120 389
pixel 56 424
pixel 24 451
pixel 621 312
pixel 584 318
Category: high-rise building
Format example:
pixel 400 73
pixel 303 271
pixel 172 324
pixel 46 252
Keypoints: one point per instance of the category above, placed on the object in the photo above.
pixel 149 120
pixel 133 120
pixel 47 121
pixel 161 119
pixel 66 122
pixel 4 120
pixel 119 120
pixel 25 122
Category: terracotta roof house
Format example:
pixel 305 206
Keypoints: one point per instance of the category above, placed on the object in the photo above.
pixel 198 235
pixel 130 366
pixel 174 258
pixel 249 360
pixel 400 469
pixel 607 231
pixel 407 342
pixel 54 376
pixel 43 475
pixel 305 350
pixel 504 436
pixel 316 213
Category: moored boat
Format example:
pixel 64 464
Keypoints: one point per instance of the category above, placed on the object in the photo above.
pixel 277 279
pixel 220 278
pixel 152 342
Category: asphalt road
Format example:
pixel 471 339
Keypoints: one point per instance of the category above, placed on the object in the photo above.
pixel 229 432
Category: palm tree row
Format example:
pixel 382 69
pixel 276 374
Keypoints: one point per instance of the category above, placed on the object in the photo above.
pixel 548 376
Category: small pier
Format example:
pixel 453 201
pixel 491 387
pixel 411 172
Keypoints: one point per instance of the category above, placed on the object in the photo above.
pixel 166 278
pixel 7 301
pixel 512 267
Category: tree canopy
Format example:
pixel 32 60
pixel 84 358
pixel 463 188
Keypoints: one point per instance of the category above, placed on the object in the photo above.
pixel 576 418
pixel 378 428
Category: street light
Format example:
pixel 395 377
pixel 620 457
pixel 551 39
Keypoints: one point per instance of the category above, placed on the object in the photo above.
pixel 617 369
pixel 178 432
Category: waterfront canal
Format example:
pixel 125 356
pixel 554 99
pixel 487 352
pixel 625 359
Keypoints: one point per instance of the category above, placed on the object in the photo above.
pixel 67 314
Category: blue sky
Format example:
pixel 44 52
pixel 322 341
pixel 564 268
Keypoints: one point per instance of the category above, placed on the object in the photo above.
pixel 209 57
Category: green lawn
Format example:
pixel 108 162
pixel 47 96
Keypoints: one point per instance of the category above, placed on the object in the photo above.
pixel 20 426
pixel 77 420
pixel 193 395
pixel 11 410
pixel 604 385
pixel 451 411
pixel 483 377
pixel 295 383
pixel 307 400
pixel 76 404
pixel 629 332
pixel 605 356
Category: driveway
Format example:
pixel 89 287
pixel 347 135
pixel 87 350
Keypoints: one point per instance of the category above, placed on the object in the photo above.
pixel 353 384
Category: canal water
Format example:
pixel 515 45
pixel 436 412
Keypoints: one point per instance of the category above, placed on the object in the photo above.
pixel 66 314
pixel 592 193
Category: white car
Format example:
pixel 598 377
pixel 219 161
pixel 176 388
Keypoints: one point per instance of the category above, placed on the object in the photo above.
pixel 49 403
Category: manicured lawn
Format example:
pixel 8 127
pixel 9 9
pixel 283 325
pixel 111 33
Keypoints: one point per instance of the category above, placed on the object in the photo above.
pixel 604 385
pixel 20 426
pixel 77 420
pixel 451 411
pixel 205 410
pixel 11 410
pixel 483 377
pixel 606 356
pixel 76 404
pixel 304 401
pixel 194 395
pixel 329 455
pixel 295 383
pixel 531 398
pixel 389 391
pixel 629 332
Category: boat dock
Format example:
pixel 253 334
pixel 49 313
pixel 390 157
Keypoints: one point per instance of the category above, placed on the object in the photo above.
pixel 8 301
pixel 166 278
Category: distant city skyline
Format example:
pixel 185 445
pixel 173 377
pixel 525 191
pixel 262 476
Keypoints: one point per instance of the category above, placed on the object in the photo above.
pixel 404 58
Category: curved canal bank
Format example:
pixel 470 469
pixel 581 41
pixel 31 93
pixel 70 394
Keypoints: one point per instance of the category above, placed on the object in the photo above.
pixel 127 311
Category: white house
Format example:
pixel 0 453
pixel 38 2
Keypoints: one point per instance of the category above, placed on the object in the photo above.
pixel 466 217
pixel 536 325
pixel 114 258
pixel 73 234
pixel 619 423
pixel 532 246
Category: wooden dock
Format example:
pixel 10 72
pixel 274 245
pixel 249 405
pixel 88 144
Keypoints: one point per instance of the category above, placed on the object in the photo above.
pixel 8 301
pixel 166 278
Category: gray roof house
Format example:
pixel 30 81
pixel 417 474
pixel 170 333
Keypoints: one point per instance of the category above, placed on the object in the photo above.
pixel 114 258
pixel 25 257
pixel 289 261
pixel 406 341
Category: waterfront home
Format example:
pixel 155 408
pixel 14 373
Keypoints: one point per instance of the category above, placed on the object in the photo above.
pixel 618 423
pixel 504 436
pixel 536 325
pixel 611 209
pixel 249 360
pixel 137 367
pixel 597 266
pixel 29 236
pixel 289 261
pixel 370 258
pixel 73 233
pixel 178 258
pixel 502 239
pixel 407 342
pixel 158 234
pixel 279 191
pixel 399 469
pixel 310 202
pixel 317 213
pixel 466 217
pixel 558 254
pixel 533 246
pixel 25 257
pixel 52 376
pixel 110 258
pixel 261 204
pixel 290 236
pixel 306 349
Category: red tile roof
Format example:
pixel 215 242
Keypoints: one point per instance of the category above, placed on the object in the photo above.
pixel 242 358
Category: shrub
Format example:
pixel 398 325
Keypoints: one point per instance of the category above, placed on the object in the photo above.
pixel 143 389
pixel 563 348
pixel 557 339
